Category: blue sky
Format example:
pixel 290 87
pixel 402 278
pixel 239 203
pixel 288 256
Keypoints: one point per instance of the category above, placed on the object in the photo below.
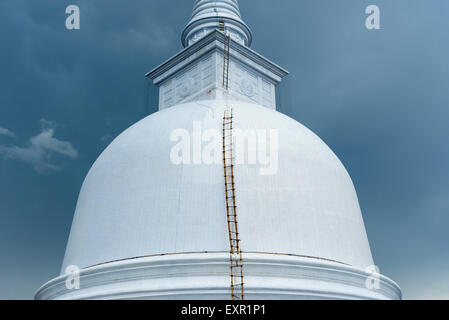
pixel 379 99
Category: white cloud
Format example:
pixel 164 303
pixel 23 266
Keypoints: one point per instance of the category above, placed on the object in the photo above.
pixel 6 132
pixel 41 149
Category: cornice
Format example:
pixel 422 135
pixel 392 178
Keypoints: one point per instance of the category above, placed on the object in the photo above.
pixel 215 41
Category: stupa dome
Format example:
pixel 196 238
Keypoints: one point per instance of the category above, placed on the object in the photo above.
pixel 159 228
pixel 135 202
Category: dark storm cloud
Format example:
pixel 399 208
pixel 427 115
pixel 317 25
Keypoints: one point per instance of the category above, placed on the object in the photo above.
pixel 377 98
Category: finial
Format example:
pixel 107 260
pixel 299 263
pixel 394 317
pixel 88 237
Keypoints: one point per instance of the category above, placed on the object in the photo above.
pixel 209 15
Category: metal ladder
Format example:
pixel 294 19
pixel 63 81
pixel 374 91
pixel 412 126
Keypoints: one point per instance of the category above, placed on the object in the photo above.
pixel 236 261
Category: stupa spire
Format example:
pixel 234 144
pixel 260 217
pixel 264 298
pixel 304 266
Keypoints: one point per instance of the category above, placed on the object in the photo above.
pixel 209 15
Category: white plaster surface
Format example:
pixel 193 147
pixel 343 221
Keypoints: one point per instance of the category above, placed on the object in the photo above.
pixel 136 202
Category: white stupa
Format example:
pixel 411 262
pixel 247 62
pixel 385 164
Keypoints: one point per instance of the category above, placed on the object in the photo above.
pixel 148 228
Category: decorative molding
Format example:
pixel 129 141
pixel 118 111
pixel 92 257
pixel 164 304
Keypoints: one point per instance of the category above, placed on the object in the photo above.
pixel 246 87
pixel 209 14
pixel 205 276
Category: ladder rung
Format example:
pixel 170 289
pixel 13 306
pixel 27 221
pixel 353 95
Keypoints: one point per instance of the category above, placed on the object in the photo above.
pixel 237 285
